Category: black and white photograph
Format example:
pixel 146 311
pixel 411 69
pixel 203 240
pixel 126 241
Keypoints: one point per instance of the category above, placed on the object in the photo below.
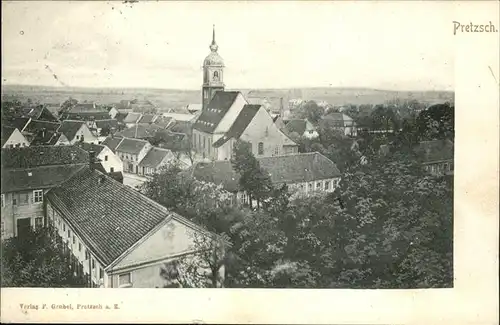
pixel 151 144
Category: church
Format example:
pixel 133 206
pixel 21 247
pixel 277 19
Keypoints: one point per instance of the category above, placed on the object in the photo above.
pixel 227 116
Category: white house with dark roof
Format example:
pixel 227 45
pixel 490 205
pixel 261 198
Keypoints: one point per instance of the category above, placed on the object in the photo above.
pixel 13 138
pixel 154 160
pixel 342 122
pixel 305 173
pixel 131 152
pixel 302 127
pixel 108 159
pixel 117 236
pixel 76 131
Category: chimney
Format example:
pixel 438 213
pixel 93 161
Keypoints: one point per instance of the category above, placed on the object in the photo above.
pixel 91 159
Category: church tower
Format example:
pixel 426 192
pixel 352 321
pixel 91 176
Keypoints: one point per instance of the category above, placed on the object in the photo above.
pixel 213 67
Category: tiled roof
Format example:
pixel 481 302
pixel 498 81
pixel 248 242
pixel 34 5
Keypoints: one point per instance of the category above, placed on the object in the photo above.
pixel 17 122
pixel 340 119
pixel 109 217
pixel 171 140
pixel 6 133
pixel 132 117
pixel 87 108
pixel 30 157
pixel 154 157
pixel 435 150
pixel 42 138
pixel 240 124
pixel 112 142
pixel 37 178
pixel 85 116
pixel 303 167
pixel 69 128
pixel 180 127
pixel 140 131
pixel 147 118
pixel 218 172
pixel 298 126
pixel 214 112
pixel 108 123
pixel 132 146
pixel 120 117
pixel 282 169
pixel 34 126
pixel 97 148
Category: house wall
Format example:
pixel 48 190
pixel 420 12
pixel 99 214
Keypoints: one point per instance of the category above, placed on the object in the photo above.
pixel 131 161
pixel 310 131
pixel 83 254
pixel 88 136
pixel 440 168
pixel 323 185
pixel 63 140
pixel 16 139
pixel 24 207
pixel 144 263
pixel 263 130
pixel 110 161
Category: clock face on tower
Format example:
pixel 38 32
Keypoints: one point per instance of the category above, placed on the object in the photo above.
pixel 216 76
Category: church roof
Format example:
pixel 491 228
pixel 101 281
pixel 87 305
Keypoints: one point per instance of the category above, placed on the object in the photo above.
pixel 217 108
pixel 240 124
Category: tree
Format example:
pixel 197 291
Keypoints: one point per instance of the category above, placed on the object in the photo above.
pixel 396 230
pixel 253 180
pixel 37 260
pixel 312 111
pixel 67 105
pixel 203 269
pixel 437 122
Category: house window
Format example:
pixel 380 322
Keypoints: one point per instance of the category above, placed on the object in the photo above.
pixel 105 158
pixel 26 198
pixel 318 185
pixel 87 254
pixel 74 240
pixel 3 201
pixel 277 151
pixel 79 247
pixel 93 264
pixel 124 279
pixel 38 222
pixel 78 137
pixel 64 227
pixel 301 186
pixel 69 233
pixel 261 148
pixel 101 273
pixel 37 196
pixel 327 185
pixel 310 186
pixel 111 169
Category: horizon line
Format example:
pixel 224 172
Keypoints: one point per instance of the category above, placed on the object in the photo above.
pixel 228 88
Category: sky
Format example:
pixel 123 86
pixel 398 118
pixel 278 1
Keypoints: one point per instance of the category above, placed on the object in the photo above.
pixel 385 45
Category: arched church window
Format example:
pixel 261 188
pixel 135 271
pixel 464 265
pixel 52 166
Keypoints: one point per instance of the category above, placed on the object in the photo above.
pixel 261 148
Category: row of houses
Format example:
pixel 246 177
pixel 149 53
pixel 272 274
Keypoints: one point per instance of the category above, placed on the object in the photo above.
pixel 115 236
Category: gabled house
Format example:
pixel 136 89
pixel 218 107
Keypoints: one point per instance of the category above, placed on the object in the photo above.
pixel 87 112
pixel 118 237
pixel 305 173
pixel 148 119
pixel 13 138
pixel 131 152
pixel 40 112
pixel 342 122
pixel 131 119
pixel 112 141
pixel 27 174
pixel 76 131
pixel 154 160
pixel 228 118
pixel 39 132
pixel 108 159
pixel 302 127
pixel 436 156
pixel 104 127
pixel 17 122
pixel 140 131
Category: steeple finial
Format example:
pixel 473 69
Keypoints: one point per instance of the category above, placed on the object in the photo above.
pixel 213 46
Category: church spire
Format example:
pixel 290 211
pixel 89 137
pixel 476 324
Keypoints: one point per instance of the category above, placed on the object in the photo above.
pixel 213 46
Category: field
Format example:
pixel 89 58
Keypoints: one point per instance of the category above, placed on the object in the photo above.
pixel 174 99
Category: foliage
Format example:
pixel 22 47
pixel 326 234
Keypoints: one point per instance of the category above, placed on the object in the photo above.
pixel 253 180
pixel 437 122
pixel 312 111
pixel 67 105
pixel 37 260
